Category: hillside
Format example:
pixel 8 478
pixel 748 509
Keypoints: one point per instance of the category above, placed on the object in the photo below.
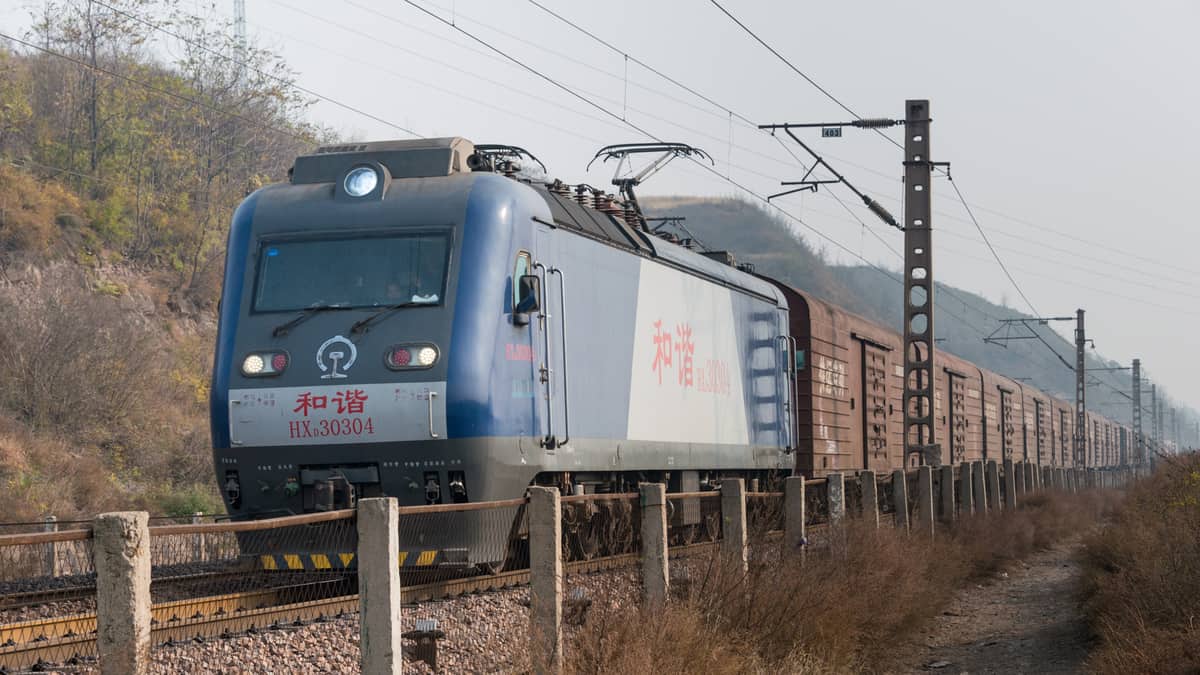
pixel 118 173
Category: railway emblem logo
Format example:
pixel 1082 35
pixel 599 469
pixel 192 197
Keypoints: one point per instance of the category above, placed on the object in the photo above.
pixel 336 353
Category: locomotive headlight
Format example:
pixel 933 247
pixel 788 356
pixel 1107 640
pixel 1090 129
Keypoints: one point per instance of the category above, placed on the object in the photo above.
pixel 361 181
pixel 264 364
pixel 253 365
pixel 426 356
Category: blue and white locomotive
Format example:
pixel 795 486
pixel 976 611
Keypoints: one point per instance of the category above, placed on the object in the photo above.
pixel 409 319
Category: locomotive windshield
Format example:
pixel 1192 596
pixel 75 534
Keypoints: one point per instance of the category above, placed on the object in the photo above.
pixel 352 272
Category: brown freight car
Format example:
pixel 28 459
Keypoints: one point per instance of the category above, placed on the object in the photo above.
pixel 848 390
pixel 849 393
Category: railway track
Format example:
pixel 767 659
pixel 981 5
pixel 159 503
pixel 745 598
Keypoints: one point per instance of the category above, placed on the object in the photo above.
pixel 86 591
pixel 61 638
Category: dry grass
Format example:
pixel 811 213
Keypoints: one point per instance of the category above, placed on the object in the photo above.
pixel 842 610
pixel 1142 576
pixel 98 408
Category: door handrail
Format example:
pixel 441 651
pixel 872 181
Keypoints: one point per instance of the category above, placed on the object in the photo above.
pixel 562 325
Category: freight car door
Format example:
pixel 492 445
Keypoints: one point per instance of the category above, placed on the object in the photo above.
pixel 1064 436
pixel 958 416
pixel 1040 426
pixel 1006 424
pixel 875 405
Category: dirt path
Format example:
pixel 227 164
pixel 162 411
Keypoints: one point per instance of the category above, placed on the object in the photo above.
pixel 1025 621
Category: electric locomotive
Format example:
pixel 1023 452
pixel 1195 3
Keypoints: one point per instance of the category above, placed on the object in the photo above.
pixel 411 319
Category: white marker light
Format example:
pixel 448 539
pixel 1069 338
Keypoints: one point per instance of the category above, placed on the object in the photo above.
pixel 426 356
pixel 361 181
pixel 253 365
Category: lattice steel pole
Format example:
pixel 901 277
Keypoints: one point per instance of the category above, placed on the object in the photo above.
pixel 1080 391
pixel 1175 429
pixel 918 287
pixel 1154 437
pixel 1139 447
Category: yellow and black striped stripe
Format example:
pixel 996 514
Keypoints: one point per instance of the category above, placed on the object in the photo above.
pixel 342 561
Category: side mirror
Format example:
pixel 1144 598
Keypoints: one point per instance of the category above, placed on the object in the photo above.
pixel 529 294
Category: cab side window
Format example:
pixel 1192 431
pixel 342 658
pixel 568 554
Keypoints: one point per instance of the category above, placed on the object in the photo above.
pixel 520 269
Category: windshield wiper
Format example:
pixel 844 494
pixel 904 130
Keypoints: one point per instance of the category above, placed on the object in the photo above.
pixel 314 309
pixel 360 326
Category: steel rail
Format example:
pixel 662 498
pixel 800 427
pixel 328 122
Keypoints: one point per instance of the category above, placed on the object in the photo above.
pixel 69 593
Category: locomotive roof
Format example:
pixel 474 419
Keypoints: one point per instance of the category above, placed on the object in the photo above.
pixel 419 158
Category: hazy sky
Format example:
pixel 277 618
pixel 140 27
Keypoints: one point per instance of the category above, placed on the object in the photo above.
pixel 1072 126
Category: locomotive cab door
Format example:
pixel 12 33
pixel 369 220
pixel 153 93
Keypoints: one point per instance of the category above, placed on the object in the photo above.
pixel 551 344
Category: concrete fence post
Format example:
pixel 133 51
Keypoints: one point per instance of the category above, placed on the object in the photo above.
pixel 733 523
pixel 993 486
pixel 1047 478
pixel 1010 483
pixel 794 506
pixel 545 580
pixel 966 490
pixel 946 488
pixel 379 585
pixel 870 497
pixel 1030 477
pixel 900 499
pixel 924 514
pixel 199 550
pixel 1022 472
pixel 978 487
pixel 835 488
pixel 122 561
pixel 50 567
pixel 1060 478
pixel 656 577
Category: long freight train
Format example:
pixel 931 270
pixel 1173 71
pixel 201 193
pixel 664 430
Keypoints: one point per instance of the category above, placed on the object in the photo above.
pixel 411 319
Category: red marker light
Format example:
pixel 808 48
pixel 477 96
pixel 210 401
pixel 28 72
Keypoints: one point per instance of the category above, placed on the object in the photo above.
pixel 279 362
pixel 400 357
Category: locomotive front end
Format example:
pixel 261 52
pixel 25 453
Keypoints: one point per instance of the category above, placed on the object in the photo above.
pixel 335 340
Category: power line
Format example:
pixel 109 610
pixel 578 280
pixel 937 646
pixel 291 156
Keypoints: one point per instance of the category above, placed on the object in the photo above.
pixel 727 110
pixel 992 249
pixel 646 133
pixel 799 72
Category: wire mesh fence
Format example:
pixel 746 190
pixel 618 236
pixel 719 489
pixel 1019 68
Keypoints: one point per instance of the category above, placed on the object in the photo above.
pixel 911 492
pixel 764 513
pixel 600 525
pixel 211 579
pixel 887 500
pixel 816 502
pixel 693 518
pixel 854 495
pixel 47 594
